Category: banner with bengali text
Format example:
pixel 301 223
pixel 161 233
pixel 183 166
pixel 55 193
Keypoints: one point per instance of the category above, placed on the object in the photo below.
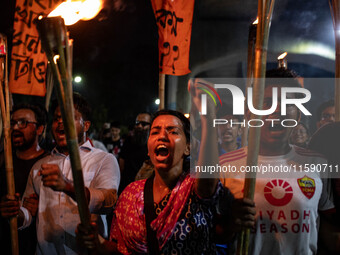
pixel 174 21
pixel 28 61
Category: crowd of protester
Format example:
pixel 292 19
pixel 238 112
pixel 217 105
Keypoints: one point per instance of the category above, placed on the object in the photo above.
pixel 144 198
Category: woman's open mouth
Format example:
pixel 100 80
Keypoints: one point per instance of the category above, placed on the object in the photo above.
pixel 161 150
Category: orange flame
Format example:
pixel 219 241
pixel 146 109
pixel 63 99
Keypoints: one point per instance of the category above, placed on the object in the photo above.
pixel 74 10
pixel 282 56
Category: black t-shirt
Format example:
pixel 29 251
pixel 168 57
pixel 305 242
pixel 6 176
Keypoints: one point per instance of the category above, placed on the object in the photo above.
pixel 28 236
pixel 113 147
pixel 134 155
pixel 326 141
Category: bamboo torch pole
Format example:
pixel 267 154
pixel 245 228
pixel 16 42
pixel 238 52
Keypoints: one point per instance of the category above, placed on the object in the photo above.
pixel 53 36
pixel 5 113
pixel 161 91
pixel 250 72
pixel 335 11
pixel 49 88
pixel 265 10
pixel 250 76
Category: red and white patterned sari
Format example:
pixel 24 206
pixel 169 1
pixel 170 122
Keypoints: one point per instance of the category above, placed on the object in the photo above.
pixel 128 224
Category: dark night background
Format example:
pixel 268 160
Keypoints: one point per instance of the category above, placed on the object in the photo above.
pixel 117 56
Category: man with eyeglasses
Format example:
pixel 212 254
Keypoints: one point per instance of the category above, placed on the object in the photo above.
pixel 27 124
pixel 325 113
pixel 52 181
pixel 134 151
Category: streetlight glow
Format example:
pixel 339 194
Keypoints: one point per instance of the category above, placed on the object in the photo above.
pixel 77 79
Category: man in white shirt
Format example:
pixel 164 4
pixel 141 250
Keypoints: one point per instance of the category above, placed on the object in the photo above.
pixel 51 180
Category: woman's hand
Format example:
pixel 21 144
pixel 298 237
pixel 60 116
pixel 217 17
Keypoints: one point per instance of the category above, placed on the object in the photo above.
pixel 243 214
pixel 196 88
pixel 205 184
pixel 88 238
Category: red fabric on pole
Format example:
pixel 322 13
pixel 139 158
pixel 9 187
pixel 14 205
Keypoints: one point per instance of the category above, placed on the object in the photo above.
pixel 174 21
pixel 28 62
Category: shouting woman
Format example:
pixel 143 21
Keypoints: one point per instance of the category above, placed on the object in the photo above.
pixel 171 212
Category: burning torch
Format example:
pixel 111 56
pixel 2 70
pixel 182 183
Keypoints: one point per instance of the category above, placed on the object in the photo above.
pixel 55 42
pixel 282 61
pixel 265 10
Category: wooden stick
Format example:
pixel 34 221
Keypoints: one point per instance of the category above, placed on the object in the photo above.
pixel 49 88
pixel 240 242
pixel 250 75
pixel 5 112
pixel 70 56
pixel 161 91
pixel 335 11
pixel 65 98
pixel 265 9
pixel 72 144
